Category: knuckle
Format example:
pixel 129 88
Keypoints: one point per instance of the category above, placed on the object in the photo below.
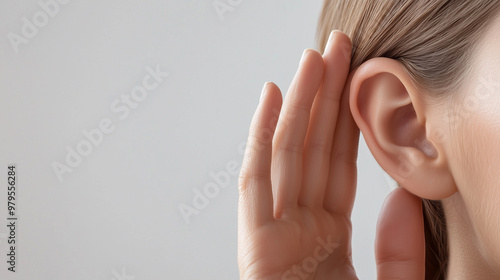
pixel 318 146
pixel 247 178
pixel 243 182
pixel 257 142
pixel 289 148
pixel 296 110
pixel 346 157
pixel 330 97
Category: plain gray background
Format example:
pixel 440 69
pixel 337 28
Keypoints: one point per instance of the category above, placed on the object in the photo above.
pixel 116 214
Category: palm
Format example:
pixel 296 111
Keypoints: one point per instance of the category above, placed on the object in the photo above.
pixel 297 183
pixel 306 245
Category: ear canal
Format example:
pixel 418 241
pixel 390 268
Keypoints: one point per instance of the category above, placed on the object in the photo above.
pixel 427 148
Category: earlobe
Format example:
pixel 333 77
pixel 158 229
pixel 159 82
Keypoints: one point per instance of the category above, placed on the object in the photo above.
pixel 392 113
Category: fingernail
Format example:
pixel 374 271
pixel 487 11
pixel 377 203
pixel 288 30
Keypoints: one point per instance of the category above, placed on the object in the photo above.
pixel 329 42
pixel 303 56
pixel 263 92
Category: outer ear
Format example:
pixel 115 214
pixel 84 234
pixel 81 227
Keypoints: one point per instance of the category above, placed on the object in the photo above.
pixel 391 113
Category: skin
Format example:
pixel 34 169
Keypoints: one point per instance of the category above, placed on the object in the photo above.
pixel 298 182
pixel 474 210
pixel 448 148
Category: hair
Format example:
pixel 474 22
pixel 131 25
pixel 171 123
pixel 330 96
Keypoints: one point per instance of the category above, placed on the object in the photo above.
pixel 435 40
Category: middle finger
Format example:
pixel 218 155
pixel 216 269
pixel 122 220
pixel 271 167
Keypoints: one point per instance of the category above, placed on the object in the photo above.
pixel 288 143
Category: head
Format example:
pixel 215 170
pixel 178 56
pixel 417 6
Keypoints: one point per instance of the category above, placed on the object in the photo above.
pixel 425 93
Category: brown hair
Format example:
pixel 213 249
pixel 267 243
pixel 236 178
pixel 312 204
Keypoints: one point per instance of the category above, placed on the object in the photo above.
pixel 435 40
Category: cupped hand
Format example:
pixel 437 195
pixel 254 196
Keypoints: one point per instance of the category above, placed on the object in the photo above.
pixel 297 184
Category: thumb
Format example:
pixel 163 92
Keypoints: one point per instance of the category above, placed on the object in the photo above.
pixel 400 240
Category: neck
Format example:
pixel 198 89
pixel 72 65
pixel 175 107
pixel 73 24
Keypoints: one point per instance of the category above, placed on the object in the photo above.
pixel 466 260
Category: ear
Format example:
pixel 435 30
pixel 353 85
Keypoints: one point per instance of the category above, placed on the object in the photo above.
pixel 391 113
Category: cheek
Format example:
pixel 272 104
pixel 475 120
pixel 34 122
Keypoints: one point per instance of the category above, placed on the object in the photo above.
pixel 477 158
pixel 478 176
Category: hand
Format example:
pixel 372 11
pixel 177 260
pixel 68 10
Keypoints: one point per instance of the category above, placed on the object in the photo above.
pixel 297 184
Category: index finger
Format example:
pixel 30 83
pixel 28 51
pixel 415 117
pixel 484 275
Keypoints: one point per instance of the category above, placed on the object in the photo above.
pixel 254 183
